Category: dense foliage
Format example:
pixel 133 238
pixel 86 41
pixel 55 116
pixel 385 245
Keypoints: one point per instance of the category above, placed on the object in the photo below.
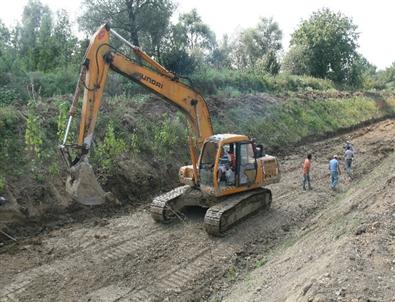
pixel 41 54
pixel 325 46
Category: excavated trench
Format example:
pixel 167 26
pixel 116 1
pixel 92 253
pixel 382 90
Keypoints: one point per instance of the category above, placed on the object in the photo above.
pixel 125 256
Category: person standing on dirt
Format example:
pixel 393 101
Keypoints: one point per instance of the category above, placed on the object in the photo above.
pixel 334 169
pixel 306 172
pixel 348 157
pixel 348 145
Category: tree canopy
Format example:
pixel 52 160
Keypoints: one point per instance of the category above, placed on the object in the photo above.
pixel 189 41
pixel 324 46
pixel 259 45
pixel 43 51
pixel 143 22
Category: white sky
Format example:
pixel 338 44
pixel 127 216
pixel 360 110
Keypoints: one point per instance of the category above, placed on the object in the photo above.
pixel 373 18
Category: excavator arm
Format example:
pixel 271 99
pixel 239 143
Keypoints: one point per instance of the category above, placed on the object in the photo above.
pixel 100 57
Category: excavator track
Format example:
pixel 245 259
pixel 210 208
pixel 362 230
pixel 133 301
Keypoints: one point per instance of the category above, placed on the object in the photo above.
pixel 162 209
pixel 223 215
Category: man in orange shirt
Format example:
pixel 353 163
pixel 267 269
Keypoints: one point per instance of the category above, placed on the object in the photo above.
pixel 306 172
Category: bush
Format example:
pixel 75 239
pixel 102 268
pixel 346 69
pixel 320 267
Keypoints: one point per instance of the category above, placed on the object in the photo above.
pixel 8 95
pixel 59 82
pixel 12 144
pixel 110 149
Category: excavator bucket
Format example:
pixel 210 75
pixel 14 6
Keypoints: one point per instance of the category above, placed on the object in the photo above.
pixel 83 186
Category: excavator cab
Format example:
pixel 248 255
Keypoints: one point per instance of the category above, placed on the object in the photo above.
pixel 228 164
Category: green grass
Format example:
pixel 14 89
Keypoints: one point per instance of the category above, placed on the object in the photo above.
pixel 261 262
pixel 214 81
pixel 296 119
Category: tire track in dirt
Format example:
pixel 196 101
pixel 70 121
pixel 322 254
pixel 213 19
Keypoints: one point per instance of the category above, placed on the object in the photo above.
pixel 173 281
pixel 116 247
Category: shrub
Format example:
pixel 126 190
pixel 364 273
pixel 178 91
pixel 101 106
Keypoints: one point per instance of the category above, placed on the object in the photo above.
pixel 33 131
pixel 110 149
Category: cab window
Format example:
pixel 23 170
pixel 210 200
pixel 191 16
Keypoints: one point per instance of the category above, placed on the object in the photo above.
pixel 247 164
pixel 207 162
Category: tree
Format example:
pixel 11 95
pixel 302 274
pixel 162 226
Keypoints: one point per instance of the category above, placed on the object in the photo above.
pixel 296 60
pixel 42 42
pixel 4 41
pixel 159 14
pixel 269 63
pixel 221 56
pixel 386 78
pixel 143 22
pixel 189 41
pixel 44 54
pixel 65 44
pixel 36 20
pixel 198 34
pixel 362 73
pixel 4 52
pixel 389 73
pixel 325 46
pixel 257 43
pixel 4 35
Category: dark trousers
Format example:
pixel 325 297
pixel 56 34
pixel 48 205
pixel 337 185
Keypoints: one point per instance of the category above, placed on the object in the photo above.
pixel 306 178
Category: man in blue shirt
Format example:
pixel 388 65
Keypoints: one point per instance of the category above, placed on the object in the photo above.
pixel 334 168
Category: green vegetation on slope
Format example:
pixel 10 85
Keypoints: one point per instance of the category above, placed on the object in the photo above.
pixel 236 82
pixel 147 130
pixel 294 120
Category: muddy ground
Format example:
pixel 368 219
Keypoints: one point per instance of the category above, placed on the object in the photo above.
pixel 316 245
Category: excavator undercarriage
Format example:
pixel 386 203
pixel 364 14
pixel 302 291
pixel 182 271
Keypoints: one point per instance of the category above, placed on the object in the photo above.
pixel 222 213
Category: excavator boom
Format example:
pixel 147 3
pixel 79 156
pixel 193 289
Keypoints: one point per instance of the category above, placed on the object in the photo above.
pixel 101 57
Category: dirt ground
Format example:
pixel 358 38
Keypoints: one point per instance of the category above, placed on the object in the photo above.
pixel 316 245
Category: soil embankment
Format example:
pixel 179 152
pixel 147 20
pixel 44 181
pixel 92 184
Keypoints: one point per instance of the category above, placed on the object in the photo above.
pixel 140 143
pixel 310 246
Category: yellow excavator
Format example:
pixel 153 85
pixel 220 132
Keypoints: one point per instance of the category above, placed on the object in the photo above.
pixel 228 171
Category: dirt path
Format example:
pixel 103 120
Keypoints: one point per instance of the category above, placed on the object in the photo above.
pixel 131 258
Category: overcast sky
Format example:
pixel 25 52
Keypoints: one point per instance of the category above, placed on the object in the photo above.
pixel 373 18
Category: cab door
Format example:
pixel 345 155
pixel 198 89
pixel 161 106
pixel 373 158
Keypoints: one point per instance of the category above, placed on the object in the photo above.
pixel 207 163
pixel 245 164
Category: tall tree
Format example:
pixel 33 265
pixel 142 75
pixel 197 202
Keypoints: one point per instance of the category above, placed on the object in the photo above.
pixel 258 43
pixel 4 34
pixel 44 52
pixel 4 52
pixel 189 41
pixel 326 44
pixel 221 56
pixel 35 18
pixel 198 34
pixel 143 22
pixel 65 43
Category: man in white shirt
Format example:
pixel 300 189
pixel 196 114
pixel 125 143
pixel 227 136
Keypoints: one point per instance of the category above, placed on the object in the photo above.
pixel 348 157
